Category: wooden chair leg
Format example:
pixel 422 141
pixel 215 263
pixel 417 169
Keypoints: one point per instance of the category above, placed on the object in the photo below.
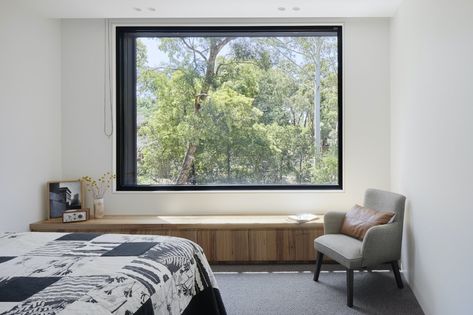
pixel 350 287
pixel 318 265
pixel 397 274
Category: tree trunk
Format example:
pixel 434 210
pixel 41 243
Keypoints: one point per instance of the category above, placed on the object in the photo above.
pixel 229 163
pixel 214 49
pixel 187 164
pixel 317 135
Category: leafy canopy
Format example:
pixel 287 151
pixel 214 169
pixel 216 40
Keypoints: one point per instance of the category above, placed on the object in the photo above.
pixel 249 112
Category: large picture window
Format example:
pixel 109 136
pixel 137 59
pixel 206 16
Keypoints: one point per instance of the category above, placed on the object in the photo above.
pixel 202 108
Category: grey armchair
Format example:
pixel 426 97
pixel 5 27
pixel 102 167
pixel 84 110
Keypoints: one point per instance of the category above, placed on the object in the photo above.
pixel 381 244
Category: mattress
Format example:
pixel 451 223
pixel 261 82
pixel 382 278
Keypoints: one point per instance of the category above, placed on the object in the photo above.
pixel 88 273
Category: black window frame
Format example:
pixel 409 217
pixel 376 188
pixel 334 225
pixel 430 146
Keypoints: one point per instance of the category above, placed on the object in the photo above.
pixel 126 136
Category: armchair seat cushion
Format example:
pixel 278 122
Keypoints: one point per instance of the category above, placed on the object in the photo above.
pixel 343 249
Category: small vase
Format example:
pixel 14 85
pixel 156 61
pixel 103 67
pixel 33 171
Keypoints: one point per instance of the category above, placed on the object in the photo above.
pixel 99 208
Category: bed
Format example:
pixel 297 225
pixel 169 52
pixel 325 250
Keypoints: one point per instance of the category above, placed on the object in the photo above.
pixel 87 273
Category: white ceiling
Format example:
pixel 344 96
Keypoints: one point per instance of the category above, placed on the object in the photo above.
pixel 210 8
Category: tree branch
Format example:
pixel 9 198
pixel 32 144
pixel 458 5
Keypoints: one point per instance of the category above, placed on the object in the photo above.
pixel 193 49
pixel 289 58
pixel 223 42
pixel 284 45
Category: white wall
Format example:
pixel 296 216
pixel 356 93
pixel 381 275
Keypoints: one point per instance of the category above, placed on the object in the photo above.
pixel 30 126
pixel 86 150
pixel 432 148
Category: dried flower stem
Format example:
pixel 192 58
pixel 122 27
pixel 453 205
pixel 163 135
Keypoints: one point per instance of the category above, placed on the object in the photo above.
pixel 100 186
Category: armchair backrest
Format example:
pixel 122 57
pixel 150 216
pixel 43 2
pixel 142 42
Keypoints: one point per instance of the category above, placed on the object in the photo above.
pixel 386 201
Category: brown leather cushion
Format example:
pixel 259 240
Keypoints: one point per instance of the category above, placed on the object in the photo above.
pixel 359 219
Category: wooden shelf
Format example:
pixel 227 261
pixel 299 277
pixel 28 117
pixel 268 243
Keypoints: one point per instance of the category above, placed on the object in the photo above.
pixel 237 239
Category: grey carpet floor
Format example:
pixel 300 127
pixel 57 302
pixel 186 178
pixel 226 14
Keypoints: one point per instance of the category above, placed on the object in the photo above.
pixel 289 289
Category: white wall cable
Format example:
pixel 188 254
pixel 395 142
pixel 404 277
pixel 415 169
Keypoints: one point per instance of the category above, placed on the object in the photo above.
pixel 107 84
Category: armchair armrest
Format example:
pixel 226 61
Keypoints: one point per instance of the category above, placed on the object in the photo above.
pixel 333 222
pixel 382 244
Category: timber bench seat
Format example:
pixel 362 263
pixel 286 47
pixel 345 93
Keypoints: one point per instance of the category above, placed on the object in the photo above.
pixel 225 239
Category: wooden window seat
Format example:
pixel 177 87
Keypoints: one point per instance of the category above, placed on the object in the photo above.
pixel 225 239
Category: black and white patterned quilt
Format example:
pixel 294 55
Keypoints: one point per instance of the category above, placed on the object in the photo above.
pixel 86 273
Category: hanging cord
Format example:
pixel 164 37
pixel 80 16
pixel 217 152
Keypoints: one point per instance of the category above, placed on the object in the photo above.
pixel 107 83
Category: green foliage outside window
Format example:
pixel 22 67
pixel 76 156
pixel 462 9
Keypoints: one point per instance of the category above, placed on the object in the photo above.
pixel 237 110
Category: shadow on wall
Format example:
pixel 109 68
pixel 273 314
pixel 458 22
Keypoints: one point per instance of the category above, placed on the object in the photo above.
pixel 409 244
